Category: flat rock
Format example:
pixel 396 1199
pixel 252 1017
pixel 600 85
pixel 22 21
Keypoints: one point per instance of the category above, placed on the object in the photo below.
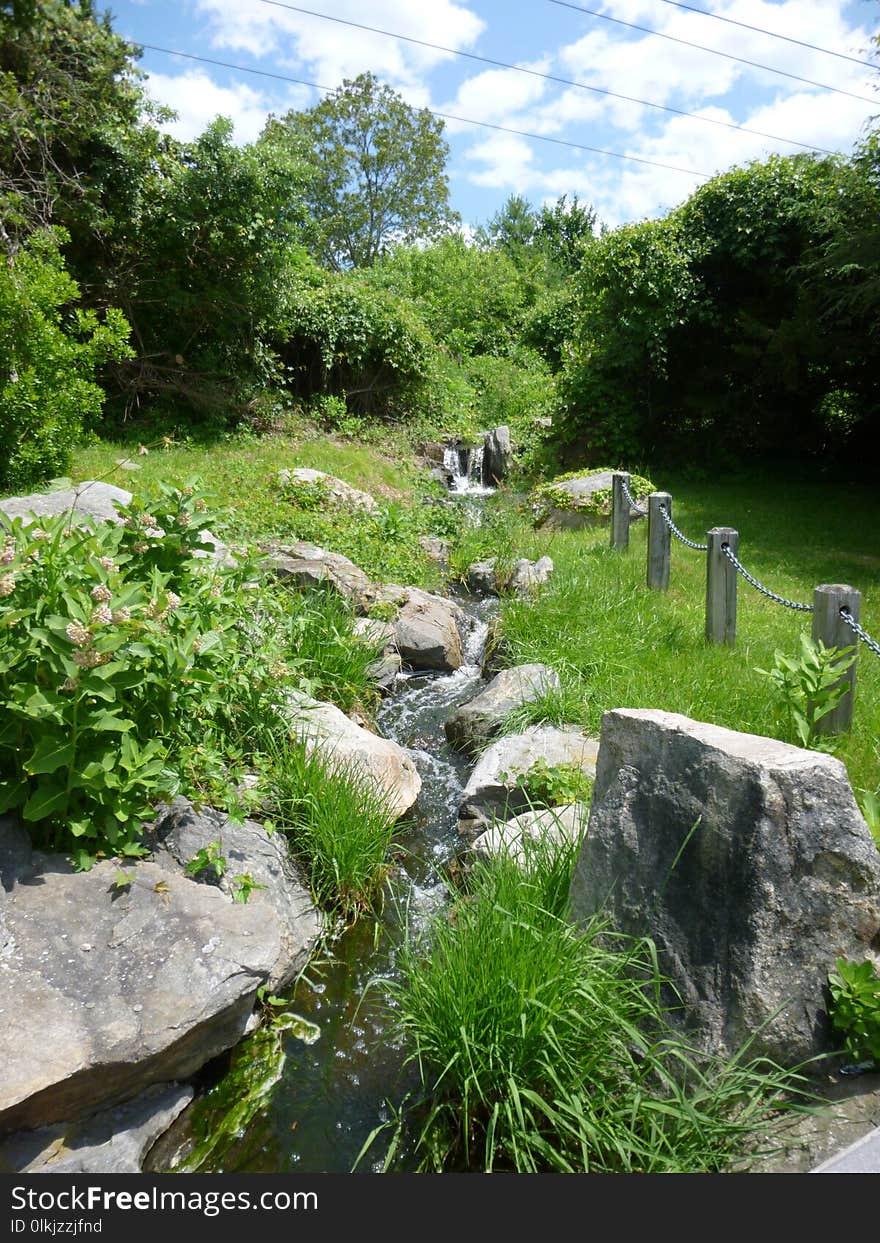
pixel 307 565
pixel 429 629
pixel 493 791
pixel 114 1141
pixel 338 492
pixel 106 991
pixel 180 832
pixel 748 863
pixel 480 718
pixel 546 824
pixel 323 727
pixel 91 500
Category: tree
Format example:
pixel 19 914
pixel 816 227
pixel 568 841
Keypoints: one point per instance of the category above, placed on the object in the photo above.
pixel 379 171
pixel 512 229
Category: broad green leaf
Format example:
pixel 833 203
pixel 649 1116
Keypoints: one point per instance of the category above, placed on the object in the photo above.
pixel 45 801
pixel 49 755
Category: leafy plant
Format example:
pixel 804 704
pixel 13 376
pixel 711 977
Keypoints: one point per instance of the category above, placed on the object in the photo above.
pixel 809 686
pixel 208 856
pixel 869 805
pixel 243 885
pixel 855 1008
pixel 553 785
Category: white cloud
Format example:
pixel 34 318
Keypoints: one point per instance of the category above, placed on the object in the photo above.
pixel 334 51
pixel 197 100
pixel 508 162
pixel 498 93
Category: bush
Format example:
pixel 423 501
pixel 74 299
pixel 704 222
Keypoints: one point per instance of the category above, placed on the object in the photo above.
pixel 49 353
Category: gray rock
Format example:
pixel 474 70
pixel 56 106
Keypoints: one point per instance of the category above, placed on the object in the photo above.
pixel 493 791
pixel 476 721
pixel 377 634
pixel 579 510
pixel 496 651
pixel 383 671
pixel 497 456
pixel 322 727
pixel 91 501
pixel 434 548
pixel 106 991
pixel 180 832
pixel 307 565
pixel 528 576
pixel 513 838
pixel 338 492
pixel 482 578
pixel 429 629
pixel 114 1141
pixel 746 860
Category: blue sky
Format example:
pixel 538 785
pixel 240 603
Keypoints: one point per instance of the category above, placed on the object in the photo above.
pixel 487 165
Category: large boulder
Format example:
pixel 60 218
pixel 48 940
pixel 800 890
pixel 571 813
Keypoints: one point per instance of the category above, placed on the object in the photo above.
pixel 494 790
pixel 106 990
pixel 497 456
pixel 476 721
pixel 516 837
pixel 582 501
pixel 748 863
pixel 113 1141
pixel 339 494
pixel 180 832
pixel 340 741
pixel 307 565
pixel 92 501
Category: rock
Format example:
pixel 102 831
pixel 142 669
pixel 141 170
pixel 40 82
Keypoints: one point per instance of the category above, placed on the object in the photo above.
pixel 496 651
pixel 581 505
pixel 746 860
pixel 555 824
pixel 91 500
pixel 322 727
pixel 434 548
pixel 180 832
pixel 429 629
pixel 492 791
pixel 476 721
pixel 307 565
pixel 114 1141
pixel 482 579
pixel 433 451
pixel 527 576
pixel 544 421
pixel 107 991
pixel 497 456
pixel 383 671
pixel 439 474
pixel 338 492
pixel 378 634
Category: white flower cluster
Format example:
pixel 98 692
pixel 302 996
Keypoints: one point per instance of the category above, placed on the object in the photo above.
pixel 7 585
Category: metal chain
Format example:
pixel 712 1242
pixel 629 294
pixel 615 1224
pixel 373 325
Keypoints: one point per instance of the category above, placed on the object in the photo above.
pixel 863 634
pixel 679 535
pixel 628 496
pixel 765 591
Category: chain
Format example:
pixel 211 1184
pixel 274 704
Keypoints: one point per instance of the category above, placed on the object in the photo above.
pixel 628 497
pixel 679 535
pixel 863 634
pixel 765 591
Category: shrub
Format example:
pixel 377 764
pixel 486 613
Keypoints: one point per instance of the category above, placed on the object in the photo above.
pixel 49 352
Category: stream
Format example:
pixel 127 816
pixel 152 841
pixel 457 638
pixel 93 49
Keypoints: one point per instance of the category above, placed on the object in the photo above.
pixel 283 1105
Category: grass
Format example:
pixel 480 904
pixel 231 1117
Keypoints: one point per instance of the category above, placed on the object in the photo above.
pixel 617 644
pixel 543 1047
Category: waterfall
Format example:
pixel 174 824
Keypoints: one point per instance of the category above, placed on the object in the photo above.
pixel 464 464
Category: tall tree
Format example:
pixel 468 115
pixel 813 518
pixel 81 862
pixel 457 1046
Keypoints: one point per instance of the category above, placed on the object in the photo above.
pixel 379 171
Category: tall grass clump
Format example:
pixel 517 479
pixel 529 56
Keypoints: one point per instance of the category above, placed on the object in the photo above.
pixel 543 1047
pixel 339 825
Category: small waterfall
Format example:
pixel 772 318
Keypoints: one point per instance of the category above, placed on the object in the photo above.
pixel 464 464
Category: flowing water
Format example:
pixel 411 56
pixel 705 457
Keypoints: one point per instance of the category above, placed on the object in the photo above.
pixel 287 1106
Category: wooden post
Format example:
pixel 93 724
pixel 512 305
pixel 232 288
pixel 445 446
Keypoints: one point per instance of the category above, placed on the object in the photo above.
pixel 659 539
pixel 619 512
pixel 721 587
pixel 829 626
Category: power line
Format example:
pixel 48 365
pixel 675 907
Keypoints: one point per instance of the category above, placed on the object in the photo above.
pixel 445 116
pixel 578 8
pixel 771 34
pixel 548 77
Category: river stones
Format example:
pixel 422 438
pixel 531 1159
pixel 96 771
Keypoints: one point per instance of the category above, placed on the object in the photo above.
pixel 476 721
pixel 307 565
pixel 429 630
pixel 338 493
pixel 547 824
pixel 493 790
pixel 523 579
pixel 340 741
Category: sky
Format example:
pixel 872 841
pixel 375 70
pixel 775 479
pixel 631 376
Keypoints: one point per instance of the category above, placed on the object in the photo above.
pixel 546 37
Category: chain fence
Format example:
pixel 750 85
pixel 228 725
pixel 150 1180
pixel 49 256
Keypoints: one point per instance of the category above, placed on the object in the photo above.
pixel 731 556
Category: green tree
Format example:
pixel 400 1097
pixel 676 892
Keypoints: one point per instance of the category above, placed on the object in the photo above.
pixel 379 171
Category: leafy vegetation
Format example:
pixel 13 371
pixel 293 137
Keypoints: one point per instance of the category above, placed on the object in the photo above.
pixel 810 686
pixel 855 1008
pixel 560 1060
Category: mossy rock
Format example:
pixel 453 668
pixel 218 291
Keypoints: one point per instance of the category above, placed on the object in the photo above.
pixel 581 498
